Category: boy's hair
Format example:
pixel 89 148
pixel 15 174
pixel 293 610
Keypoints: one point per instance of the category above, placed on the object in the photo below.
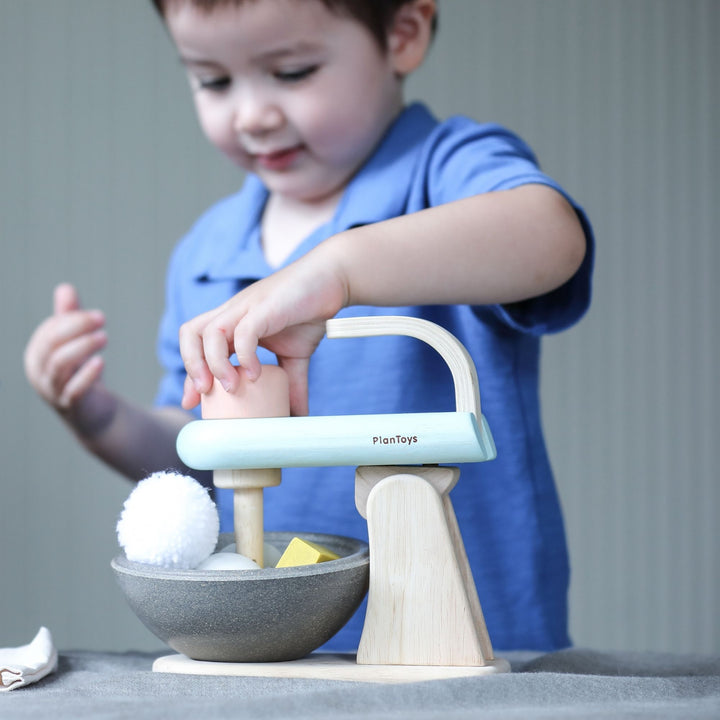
pixel 375 15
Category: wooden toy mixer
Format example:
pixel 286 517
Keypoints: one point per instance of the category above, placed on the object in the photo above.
pixel 423 618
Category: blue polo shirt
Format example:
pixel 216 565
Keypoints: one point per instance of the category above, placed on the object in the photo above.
pixel 507 509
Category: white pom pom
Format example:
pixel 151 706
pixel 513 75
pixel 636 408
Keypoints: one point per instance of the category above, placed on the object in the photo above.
pixel 168 520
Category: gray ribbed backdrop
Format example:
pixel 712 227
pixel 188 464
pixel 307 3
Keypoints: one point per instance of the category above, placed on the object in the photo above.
pixel 102 168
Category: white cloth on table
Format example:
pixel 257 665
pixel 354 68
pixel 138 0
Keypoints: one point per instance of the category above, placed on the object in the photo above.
pixel 29 663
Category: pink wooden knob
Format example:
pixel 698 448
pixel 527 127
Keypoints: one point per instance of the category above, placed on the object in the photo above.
pixel 268 396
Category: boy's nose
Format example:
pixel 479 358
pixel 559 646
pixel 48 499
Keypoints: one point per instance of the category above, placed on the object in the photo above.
pixel 256 115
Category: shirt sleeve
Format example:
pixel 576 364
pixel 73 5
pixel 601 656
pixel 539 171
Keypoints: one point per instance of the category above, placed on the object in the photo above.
pixel 465 158
pixel 170 388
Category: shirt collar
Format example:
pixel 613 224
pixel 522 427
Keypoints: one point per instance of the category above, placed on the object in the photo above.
pixel 381 187
pixel 233 248
pixel 378 191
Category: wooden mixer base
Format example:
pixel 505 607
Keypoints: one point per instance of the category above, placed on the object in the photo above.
pixel 326 666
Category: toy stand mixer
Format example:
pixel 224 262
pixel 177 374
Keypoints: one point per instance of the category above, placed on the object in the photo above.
pixel 424 619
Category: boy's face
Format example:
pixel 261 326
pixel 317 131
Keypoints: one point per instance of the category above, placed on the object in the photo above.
pixel 288 90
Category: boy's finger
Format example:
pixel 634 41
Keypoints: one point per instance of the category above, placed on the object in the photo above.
pixel 245 344
pixel 58 330
pixel 248 360
pixel 217 357
pixel 193 355
pixel 191 397
pixel 65 299
pixel 51 335
pixel 67 302
pixel 65 361
pixel 86 375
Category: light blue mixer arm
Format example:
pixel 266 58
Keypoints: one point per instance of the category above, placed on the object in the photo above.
pixel 391 439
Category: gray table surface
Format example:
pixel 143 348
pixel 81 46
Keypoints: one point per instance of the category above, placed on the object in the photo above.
pixel 573 683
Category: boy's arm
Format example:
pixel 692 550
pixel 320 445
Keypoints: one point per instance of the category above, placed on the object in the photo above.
pixel 494 248
pixel 133 439
pixel 498 247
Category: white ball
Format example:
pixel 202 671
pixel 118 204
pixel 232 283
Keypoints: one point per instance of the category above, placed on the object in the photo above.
pixel 271 554
pixel 168 520
pixel 228 561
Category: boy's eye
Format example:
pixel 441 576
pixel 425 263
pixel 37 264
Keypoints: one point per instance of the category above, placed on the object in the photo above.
pixel 216 84
pixel 291 76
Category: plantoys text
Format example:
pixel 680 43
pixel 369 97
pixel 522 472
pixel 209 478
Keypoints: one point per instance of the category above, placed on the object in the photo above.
pixel 395 440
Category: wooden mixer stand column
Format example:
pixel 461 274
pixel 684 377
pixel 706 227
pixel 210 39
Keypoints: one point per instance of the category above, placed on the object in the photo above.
pixel 423 608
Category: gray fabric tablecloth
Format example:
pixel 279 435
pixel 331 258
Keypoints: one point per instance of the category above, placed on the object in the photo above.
pixel 572 683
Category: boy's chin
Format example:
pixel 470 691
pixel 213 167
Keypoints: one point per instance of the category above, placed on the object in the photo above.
pixel 303 193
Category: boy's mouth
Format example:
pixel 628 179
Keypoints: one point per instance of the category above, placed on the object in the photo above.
pixel 278 160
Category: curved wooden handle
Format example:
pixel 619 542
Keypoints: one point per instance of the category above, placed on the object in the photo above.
pixel 452 351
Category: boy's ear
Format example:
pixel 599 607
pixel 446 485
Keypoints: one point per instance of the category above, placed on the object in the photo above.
pixel 410 35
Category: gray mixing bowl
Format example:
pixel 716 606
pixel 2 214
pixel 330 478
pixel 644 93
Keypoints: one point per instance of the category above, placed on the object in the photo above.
pixel 266 615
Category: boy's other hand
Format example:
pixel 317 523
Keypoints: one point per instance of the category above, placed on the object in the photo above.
pixel 61 358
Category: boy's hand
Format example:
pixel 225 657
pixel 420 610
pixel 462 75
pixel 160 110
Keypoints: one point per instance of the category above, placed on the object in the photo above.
pixel 61 358
pixel 284 313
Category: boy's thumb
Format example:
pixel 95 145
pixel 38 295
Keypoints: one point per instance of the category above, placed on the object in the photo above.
pixel 297 372
pixel 65 299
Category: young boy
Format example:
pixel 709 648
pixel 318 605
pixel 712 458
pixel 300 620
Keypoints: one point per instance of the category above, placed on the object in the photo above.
pixel 354 204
